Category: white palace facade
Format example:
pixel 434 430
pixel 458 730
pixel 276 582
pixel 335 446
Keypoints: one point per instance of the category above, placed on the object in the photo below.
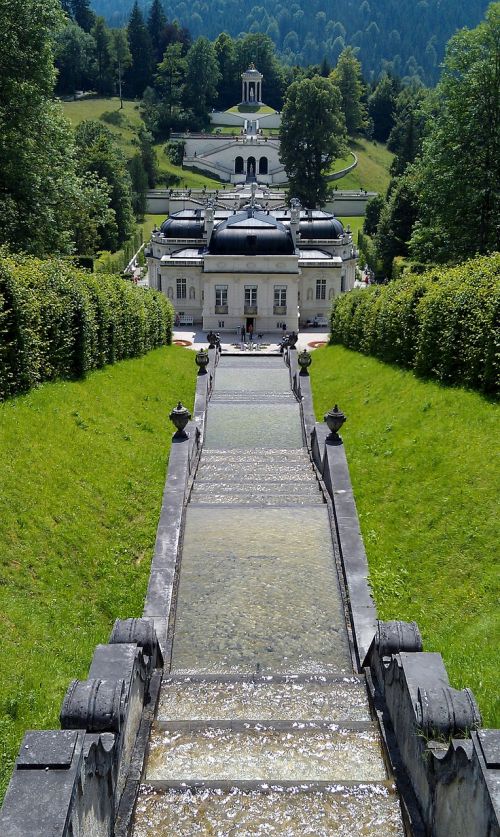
pixel 252 266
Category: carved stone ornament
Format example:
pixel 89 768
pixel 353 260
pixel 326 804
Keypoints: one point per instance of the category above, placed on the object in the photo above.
pixel 334 419
pixel 202 360
pixel 179 417
pixel 94 705
pixel 304 360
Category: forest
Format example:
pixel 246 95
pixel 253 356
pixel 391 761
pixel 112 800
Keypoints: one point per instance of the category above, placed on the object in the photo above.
pixel 403 37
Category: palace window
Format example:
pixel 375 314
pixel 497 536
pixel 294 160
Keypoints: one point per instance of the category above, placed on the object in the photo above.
pixel 320 288
pixel 181 288
pixel 220 296
pixel 250 295
pixel 280 296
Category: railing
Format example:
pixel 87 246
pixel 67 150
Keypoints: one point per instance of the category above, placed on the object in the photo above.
pixel 279 309
pixel 250 309
pixel 221 309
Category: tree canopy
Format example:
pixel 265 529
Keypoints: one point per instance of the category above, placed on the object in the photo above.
pixel 403 37
pixel 312 136
pixel 458 175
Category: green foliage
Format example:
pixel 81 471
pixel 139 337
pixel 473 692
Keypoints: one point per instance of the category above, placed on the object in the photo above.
pixel 312 134
pixel 98 154
pixel 139 74
pixel 426 483
pixel 82 470
pixel 458 175
pixel 202 79
pixel 381 106
pixel 57 321
pixel 347 77
pixel 401 36
pixel 372 214
pixel 175 152
pixel 442 324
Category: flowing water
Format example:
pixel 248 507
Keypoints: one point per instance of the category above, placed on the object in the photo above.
pixel 262 726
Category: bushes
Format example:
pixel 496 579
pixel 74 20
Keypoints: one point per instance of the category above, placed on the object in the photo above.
pixel 443 324
pixel 59 322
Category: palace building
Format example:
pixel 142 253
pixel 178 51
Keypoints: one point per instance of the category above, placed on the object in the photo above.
pixel 251 266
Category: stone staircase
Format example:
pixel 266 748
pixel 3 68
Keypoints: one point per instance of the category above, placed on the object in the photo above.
pixel 262 726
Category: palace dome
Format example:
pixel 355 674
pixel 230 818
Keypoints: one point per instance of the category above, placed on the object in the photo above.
pixel 251 233
pixel 315 223
pixel 188 223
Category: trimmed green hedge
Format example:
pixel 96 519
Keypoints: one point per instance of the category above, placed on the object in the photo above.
pixel 60 322
pixel 442 324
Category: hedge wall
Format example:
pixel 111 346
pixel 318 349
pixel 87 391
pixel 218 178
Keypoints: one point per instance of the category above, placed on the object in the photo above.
pixel 443 324
pixel 59 322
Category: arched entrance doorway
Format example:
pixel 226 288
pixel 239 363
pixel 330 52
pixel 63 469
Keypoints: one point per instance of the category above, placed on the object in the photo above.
pixel 263 165
pixel 251 169
pixel 238 165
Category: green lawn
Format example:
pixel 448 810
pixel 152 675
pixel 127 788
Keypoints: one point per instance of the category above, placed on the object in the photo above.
pixel 94 109
pixel 187 178
pixel 82 468
pixel 426 483
pixel 356 223
pixel 251 109
pixel 372 171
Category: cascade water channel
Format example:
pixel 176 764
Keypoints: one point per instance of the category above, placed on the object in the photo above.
pixel 262 725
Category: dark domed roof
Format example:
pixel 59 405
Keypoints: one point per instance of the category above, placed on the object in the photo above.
pixel 315 223
pixel 185 224
pixel 251 233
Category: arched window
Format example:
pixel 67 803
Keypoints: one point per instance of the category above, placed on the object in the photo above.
pixel 238 165
pixel 263 165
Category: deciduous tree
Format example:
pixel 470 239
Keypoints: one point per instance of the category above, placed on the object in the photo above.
pixel 312 136
pixel 459 171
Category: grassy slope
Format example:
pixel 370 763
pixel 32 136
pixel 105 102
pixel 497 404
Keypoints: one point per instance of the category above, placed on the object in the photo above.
pixel 426 487
pixel 126 134
pixel 372 171
pixel 82 468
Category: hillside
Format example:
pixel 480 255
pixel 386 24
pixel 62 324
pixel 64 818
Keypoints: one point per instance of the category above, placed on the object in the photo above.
pixel 404 36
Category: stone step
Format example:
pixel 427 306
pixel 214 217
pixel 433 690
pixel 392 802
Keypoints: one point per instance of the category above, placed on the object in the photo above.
pixel 254 500
pixel 279 456
pixel 277 490
pixel 314 698
pixel 261 396
pixel 297 752
pixel 263 472
pixel 369 810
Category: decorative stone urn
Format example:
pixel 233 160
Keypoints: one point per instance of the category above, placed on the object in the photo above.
pixel 202 360
pixel 334 419
pixel 179 417
pixel 304 360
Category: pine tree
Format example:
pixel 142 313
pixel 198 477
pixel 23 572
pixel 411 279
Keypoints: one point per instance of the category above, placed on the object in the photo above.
pixel 83 14
pixel 347 77
pixel 156 23
pixel 139 75
pixel 103 54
